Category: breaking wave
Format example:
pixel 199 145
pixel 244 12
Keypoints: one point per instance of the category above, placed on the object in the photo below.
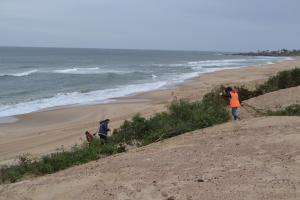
pixel 77 98
pixel 20 74
pixel 83 71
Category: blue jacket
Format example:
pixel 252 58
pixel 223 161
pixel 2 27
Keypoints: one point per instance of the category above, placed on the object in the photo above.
pixel 103 128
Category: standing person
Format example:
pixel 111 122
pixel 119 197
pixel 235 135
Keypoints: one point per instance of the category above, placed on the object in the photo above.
pixel 234 103
pixel 103 129
pixel 227 92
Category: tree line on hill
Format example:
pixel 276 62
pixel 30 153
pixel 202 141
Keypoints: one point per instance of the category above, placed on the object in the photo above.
pixel 277 53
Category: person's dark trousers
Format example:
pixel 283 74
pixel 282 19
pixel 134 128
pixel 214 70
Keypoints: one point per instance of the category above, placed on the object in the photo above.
pixel 103 137
pixel 235 113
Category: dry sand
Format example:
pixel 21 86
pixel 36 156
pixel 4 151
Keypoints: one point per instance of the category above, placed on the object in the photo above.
pixel 280 99
pixel 257 158
pixel 43 132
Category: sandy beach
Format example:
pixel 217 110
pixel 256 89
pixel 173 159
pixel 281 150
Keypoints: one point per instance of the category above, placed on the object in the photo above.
pixel 44 132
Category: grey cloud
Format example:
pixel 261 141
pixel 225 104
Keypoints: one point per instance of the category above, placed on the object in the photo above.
pixel 151 24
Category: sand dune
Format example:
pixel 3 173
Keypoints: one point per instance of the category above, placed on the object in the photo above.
pixel 255 158
pixel 276 100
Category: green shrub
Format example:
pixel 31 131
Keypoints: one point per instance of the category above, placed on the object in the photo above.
pixel 181 117
pixel 292 110
pixel 109 149
pixel 9 174
pixel 57 161
pixel 282 80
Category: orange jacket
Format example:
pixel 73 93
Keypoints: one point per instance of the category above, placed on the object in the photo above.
pixel 234 100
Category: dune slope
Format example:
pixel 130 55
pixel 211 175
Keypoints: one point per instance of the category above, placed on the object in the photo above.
pixel 256 158
pixel 276 100
pixel 272 101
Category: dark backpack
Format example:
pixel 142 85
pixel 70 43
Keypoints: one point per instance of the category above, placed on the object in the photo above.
pixel 103 127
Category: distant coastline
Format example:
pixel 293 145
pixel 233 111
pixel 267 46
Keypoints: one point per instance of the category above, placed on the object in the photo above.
pixel 274 53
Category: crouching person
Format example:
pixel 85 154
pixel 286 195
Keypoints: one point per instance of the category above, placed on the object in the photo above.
pixel 89 137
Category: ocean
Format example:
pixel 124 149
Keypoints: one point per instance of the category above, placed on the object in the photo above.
pixel 34 79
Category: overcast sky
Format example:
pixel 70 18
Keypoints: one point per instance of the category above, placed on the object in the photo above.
pixel 231 25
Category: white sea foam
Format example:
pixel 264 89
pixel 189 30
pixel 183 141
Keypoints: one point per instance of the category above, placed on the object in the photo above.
pixel 289 59
pixel 233 63
pixel 77 98
pixel 77 70
pixel 19 74
pixel 207 66
pixel 213 63
pixel 270 63
pixel 176 79
pixel 154 77
pixel 82 70
pixel 217 63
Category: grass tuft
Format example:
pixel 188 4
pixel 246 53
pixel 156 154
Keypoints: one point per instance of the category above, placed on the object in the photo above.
pixel 292 110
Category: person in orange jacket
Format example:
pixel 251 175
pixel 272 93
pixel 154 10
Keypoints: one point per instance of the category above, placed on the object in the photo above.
pixel 234 103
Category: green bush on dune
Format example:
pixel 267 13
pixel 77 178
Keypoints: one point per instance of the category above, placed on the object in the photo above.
pixel 292 110
pixel 57 161
pixel 284 79
pixel 182 117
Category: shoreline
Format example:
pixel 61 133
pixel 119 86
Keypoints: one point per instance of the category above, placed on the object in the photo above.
pixel 46 131
pixel 61 101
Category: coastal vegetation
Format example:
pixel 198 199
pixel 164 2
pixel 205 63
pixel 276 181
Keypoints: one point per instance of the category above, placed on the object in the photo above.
pixel 79 154
pixel 282 80
pixel 182 116
pixel 292 110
